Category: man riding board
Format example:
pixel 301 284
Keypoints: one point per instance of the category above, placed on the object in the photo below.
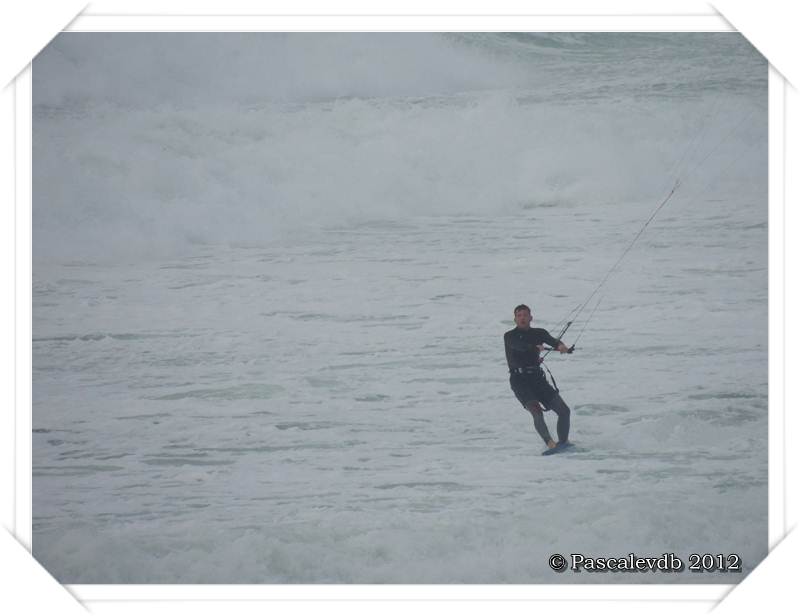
pixel 528 382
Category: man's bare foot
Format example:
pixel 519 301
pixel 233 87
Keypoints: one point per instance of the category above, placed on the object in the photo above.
pixel 551 444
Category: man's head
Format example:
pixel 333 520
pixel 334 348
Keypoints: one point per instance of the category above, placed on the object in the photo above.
pixel 522 316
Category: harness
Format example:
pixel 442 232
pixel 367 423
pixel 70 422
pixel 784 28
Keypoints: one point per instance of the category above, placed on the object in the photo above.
pixel 525 370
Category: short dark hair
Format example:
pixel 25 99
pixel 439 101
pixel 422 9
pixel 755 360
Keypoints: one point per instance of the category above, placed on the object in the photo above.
pixel 521 307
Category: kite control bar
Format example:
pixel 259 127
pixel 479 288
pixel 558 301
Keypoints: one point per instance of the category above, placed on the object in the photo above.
pixel 569 350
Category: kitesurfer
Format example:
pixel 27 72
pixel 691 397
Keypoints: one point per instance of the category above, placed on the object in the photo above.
pixel 528 382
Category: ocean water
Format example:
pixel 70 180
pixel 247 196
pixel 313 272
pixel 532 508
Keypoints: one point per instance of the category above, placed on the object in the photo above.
pixel 271 274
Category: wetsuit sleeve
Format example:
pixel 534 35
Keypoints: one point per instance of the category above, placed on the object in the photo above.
pixel 553 342
pixel 507 342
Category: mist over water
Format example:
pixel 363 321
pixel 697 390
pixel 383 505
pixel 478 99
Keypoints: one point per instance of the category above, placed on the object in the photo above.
pixel 153 144
pixel 272 273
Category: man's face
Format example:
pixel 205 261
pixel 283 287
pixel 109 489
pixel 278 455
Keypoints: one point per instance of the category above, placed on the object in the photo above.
pixel 523 319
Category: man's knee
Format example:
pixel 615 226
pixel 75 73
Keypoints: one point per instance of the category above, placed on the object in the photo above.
pixel 534 407
pixel 560 407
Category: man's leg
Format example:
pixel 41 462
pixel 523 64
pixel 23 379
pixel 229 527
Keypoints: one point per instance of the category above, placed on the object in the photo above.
pixel 536 411
pixel 561 409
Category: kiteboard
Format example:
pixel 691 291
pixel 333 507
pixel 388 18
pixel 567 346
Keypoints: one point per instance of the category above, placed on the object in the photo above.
pixel 560 448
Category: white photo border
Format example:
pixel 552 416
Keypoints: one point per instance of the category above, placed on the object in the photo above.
pixel 109 598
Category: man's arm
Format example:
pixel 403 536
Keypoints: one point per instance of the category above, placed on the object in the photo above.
pixel 556 344
pixel 562 348
pixel 508 349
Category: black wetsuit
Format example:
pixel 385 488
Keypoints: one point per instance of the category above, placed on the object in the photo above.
pixel 528 381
